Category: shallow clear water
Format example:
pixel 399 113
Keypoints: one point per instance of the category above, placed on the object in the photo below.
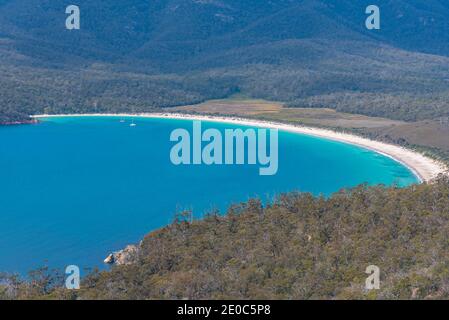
pixel 74 189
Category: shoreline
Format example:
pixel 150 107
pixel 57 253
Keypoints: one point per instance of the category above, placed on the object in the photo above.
pixel 16 123
pixel 423 167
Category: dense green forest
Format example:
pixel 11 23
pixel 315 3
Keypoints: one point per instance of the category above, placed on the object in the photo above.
pixel 138 55
pixel 102 89
pixel 97 90
pixel 298 247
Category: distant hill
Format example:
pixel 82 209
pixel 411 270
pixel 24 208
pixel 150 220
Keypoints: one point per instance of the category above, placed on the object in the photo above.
pixel 185 51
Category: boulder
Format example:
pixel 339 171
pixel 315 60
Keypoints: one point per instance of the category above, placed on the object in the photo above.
pixel 123 257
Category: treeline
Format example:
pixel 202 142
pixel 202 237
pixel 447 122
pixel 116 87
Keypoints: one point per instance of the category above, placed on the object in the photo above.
pixel 298 247
pixel 87 91
pixel 399 106
pixel 349 76
pixel 128 59
pixel 25 92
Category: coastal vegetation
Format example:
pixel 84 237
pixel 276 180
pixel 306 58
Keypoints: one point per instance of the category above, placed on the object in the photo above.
pixel 297 247
pixel 138 55
pixel 324 69
pixel 428 136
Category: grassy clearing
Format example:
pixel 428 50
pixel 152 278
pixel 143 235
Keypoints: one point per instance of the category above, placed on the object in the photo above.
pixel 276 111
pixel 425 135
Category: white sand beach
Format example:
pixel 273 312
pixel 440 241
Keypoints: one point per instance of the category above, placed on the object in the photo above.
pixel 423 167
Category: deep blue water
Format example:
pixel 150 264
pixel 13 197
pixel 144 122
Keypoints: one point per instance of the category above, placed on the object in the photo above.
pixel 74 189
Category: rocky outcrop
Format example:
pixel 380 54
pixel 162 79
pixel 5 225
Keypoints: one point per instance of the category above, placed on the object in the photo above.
pixel 109 259
pixel 123 257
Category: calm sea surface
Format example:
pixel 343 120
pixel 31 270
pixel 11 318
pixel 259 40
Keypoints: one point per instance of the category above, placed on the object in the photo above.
pixel 74 189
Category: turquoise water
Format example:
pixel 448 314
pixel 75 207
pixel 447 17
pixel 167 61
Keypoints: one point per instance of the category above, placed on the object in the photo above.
pixel 74 189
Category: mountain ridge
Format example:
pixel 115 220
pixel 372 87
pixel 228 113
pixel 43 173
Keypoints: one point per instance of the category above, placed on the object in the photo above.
pixel 297 52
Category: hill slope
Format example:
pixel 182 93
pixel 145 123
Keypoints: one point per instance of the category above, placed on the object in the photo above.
pixel 305 52
pixel 300 247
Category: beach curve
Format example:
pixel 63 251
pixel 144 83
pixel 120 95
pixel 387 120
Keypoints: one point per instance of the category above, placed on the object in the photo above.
pixel 422 166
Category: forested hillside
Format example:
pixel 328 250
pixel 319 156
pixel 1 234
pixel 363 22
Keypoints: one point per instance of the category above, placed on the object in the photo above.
pixel 299 247
pixel 140 55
